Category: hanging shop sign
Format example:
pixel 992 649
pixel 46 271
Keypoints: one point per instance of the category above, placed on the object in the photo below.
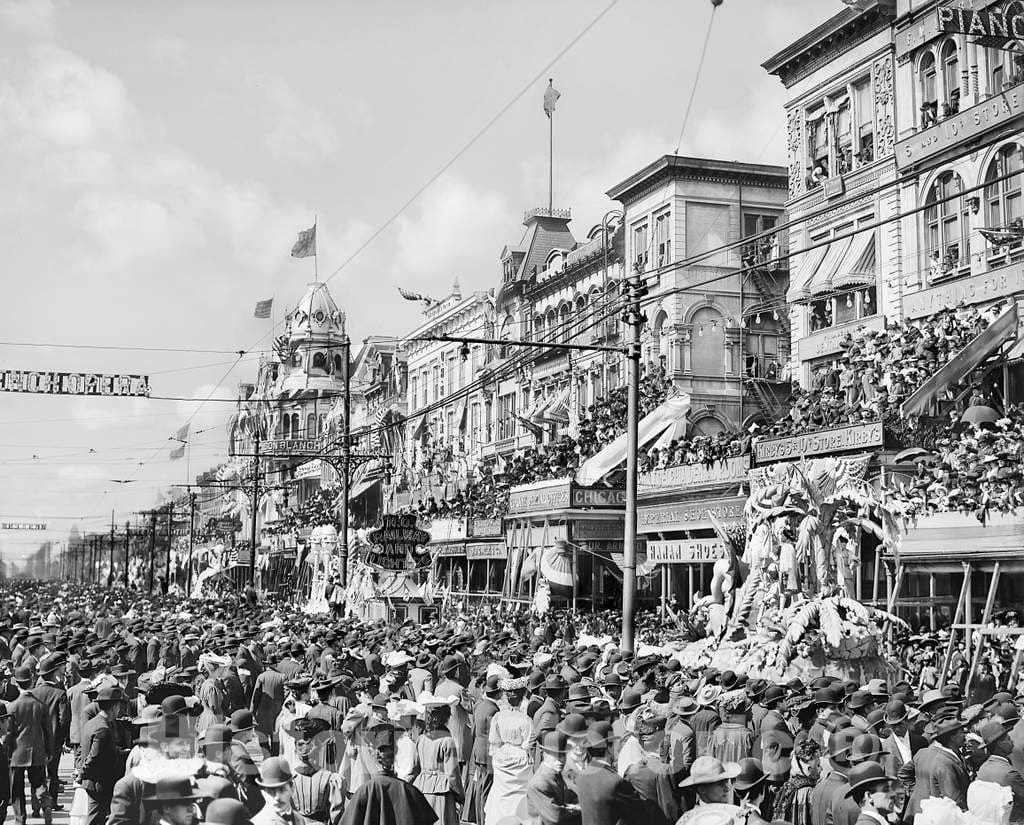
pixel 993 27
pixel 447 529
pixel 685 551
pixel 228 526
pixel 562 494
pixel 830 341
pixel 486 550
pixel 728 471
pixel 979 289
pixel 588 529
pixel 22 525
pixel 74 383
pixel 485 527
pixel 836 440
pixel 311 469
pixel 690 515
pixel 398 544
pixel 292 446
pixel 448 550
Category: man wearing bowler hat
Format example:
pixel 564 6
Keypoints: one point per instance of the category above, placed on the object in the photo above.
pixel 878 795
pixel 939 769
pixel 101 762
pixel 550 799
pixel 32 741
pixel 50 691
pixel 549 714
pixel 172 802
pixel 605 797
pixel 997 768
pixel 902 743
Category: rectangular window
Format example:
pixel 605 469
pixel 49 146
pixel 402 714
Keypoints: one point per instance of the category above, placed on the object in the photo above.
pixel 640 256
pixel 662 239
pixel 865 123
pixel 844 137
pixel 451 375
pixel 707 228
pixel 436 382
pixel 506 413
pixel 474 425
pixel 413 389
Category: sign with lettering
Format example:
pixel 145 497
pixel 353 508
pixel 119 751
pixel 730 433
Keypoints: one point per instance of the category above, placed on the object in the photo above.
pixel 835 440
pixel 74 383
pixel 398 544
pixel 311 469
pixel 545 495
pixel 727 471
pixel 992 26
pixel 685 551
pixel 447 529
pixel 485 527
pixel 292 446
pixel 598 497
pixel 979 289
pixel 689 515
pixel 583 530
pixel 448 550
pixel 22 525
pixel 829 341
pixel 228 525
pixel 1003 109
pixel 486 550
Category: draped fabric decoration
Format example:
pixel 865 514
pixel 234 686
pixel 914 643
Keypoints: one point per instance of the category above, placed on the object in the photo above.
pixel 556 565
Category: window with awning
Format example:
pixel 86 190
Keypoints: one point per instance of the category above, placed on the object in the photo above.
pixel 845 262
pixel 557 409
pixel 663 417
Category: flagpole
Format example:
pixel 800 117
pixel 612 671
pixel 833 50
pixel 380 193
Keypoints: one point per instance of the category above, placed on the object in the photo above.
pixel 551 159
pixel 316 272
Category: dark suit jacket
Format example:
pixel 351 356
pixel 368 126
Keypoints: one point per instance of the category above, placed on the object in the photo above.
pixel 101 763
pixel 58 709
pixel 548 796
pixel 267 700
pixel 546 718
pixel 934 772
pixel 30 734
pixel 483 712
pixel 825 793
pixel 608 799
pixel 892 760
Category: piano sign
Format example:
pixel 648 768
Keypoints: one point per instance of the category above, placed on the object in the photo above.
pixel 991 27
pixel 398 544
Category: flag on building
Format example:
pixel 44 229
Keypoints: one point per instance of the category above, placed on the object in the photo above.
pixel 263 308
pixel 415 296
pixel 551 95
pixel 305 246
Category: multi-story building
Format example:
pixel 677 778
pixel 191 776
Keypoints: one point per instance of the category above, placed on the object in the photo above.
pixel 847 266
pixel 717 323
pixel 450 418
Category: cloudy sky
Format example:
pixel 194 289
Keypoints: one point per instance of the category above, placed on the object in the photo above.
pixel 159 158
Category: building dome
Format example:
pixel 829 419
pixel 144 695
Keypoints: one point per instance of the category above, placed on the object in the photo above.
pixel 316 316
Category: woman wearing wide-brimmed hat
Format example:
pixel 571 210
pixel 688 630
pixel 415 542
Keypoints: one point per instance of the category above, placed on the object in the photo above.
pixel 710 779
pixel 439 777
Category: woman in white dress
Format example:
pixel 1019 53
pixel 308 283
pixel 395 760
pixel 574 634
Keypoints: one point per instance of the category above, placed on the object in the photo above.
pixel 510 756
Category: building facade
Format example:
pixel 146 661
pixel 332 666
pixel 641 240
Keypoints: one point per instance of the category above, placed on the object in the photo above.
pixel 714 319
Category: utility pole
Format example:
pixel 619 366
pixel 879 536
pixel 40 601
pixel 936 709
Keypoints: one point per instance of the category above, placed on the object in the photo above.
pixel 191 541
pixel 92 558
pixel 167 558
pixel 110 575
pixel 152 548
pixel 346 468
pixel 255 504
pixel 634 319
pixel 127 551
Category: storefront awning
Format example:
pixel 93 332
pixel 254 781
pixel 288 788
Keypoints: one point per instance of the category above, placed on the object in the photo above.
pixel 1003 329
pixel 362 487
pixel 557 410
pixel 651 427
pixel 858 267
pixel 800 282
pixel 821 283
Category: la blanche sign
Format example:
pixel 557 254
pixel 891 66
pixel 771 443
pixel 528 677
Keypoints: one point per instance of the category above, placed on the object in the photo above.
pixel 729 471
pixel 74 383
pixel 398 543
pixel 838 439
pixel 293 446
pixel 562 494
pixel 685 551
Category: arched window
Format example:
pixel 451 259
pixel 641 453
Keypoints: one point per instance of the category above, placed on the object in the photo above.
pixel 284 427
pixel 946 225
pixel 552 326
pixel 295 425
pixel 338 364
pixel 319 361
pixel 564 322
pixel 661 339
pixel 311 426
pixel 708 425
pixel 538 327
pixel 581 314
pixel 1003 197
pixel 951 78
pixel 707 343
pixel 928 88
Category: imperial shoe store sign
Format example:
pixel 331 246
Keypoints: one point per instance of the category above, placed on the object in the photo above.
pixel 837 440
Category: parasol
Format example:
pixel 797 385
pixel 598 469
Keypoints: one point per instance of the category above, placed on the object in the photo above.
pixel 979 414
pixel 556 565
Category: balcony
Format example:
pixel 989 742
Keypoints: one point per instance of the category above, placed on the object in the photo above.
pixel 957 128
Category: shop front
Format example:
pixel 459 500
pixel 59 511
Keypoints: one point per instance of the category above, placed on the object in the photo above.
pixel 469 557
pixel 571 536
pixel 677 515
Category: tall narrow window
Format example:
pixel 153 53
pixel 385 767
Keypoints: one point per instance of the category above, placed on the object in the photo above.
pixel 640 256
pixel 929 93
pixel 946 226
pixel 844 137
pixel 662 239
pixel 951 78
pixel 864 137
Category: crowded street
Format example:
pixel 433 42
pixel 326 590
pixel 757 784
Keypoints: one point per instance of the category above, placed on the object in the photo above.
pixel 550 414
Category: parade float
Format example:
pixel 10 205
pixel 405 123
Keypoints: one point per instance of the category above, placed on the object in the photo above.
pixel 782 601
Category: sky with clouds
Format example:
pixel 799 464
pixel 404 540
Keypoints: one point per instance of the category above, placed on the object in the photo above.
pixel 159 158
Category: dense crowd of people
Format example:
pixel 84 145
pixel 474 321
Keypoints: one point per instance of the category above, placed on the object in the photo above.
pixel 236 711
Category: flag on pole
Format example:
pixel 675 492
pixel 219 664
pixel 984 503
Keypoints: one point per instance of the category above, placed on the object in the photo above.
pixel 182 435
pixel 178 452
pixel 305 246
pixel 412 296
pixel 551 95
pixel 263 308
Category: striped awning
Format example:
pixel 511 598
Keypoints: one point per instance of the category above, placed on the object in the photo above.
pixel 800 282
pixel 824 278
pixel 858 267
pixel 843 263
pixel 557 409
